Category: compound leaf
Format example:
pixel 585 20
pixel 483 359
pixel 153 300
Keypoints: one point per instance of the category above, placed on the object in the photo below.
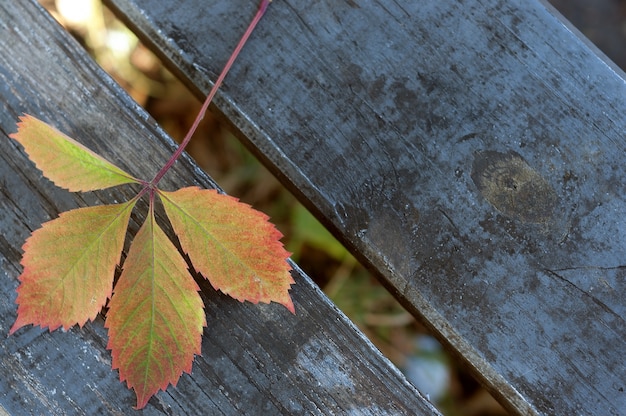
pixel 64 161
pixel 231 244
pixel 69 264
pixel 156 315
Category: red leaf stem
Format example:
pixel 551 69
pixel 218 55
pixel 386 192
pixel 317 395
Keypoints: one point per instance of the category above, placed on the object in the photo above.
pixel 207 102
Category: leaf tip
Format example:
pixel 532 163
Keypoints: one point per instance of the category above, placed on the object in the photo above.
pixel 17 325
pixel 142 400
pixel 289 305
pixel 23 320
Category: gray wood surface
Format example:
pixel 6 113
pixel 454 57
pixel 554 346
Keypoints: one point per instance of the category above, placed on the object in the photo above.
pixel 255 359
pixel 470 152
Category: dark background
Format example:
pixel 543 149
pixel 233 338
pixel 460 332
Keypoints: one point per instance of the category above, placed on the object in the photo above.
pixel 603 22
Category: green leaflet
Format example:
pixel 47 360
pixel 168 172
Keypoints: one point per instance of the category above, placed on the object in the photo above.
pixel 66 162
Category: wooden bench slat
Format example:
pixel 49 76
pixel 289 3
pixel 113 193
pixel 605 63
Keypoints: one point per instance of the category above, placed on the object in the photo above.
pixel 469 152
pixel 255 358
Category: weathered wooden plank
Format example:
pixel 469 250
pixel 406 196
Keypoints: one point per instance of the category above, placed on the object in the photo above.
pixel 256 359
pixel 471 152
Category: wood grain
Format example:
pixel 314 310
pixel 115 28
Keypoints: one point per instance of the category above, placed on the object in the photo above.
pixel 379 114
pixel 255 359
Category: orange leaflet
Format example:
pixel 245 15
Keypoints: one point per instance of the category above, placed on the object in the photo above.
pixel 231 244
pixel 69 264
pixel 156 316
